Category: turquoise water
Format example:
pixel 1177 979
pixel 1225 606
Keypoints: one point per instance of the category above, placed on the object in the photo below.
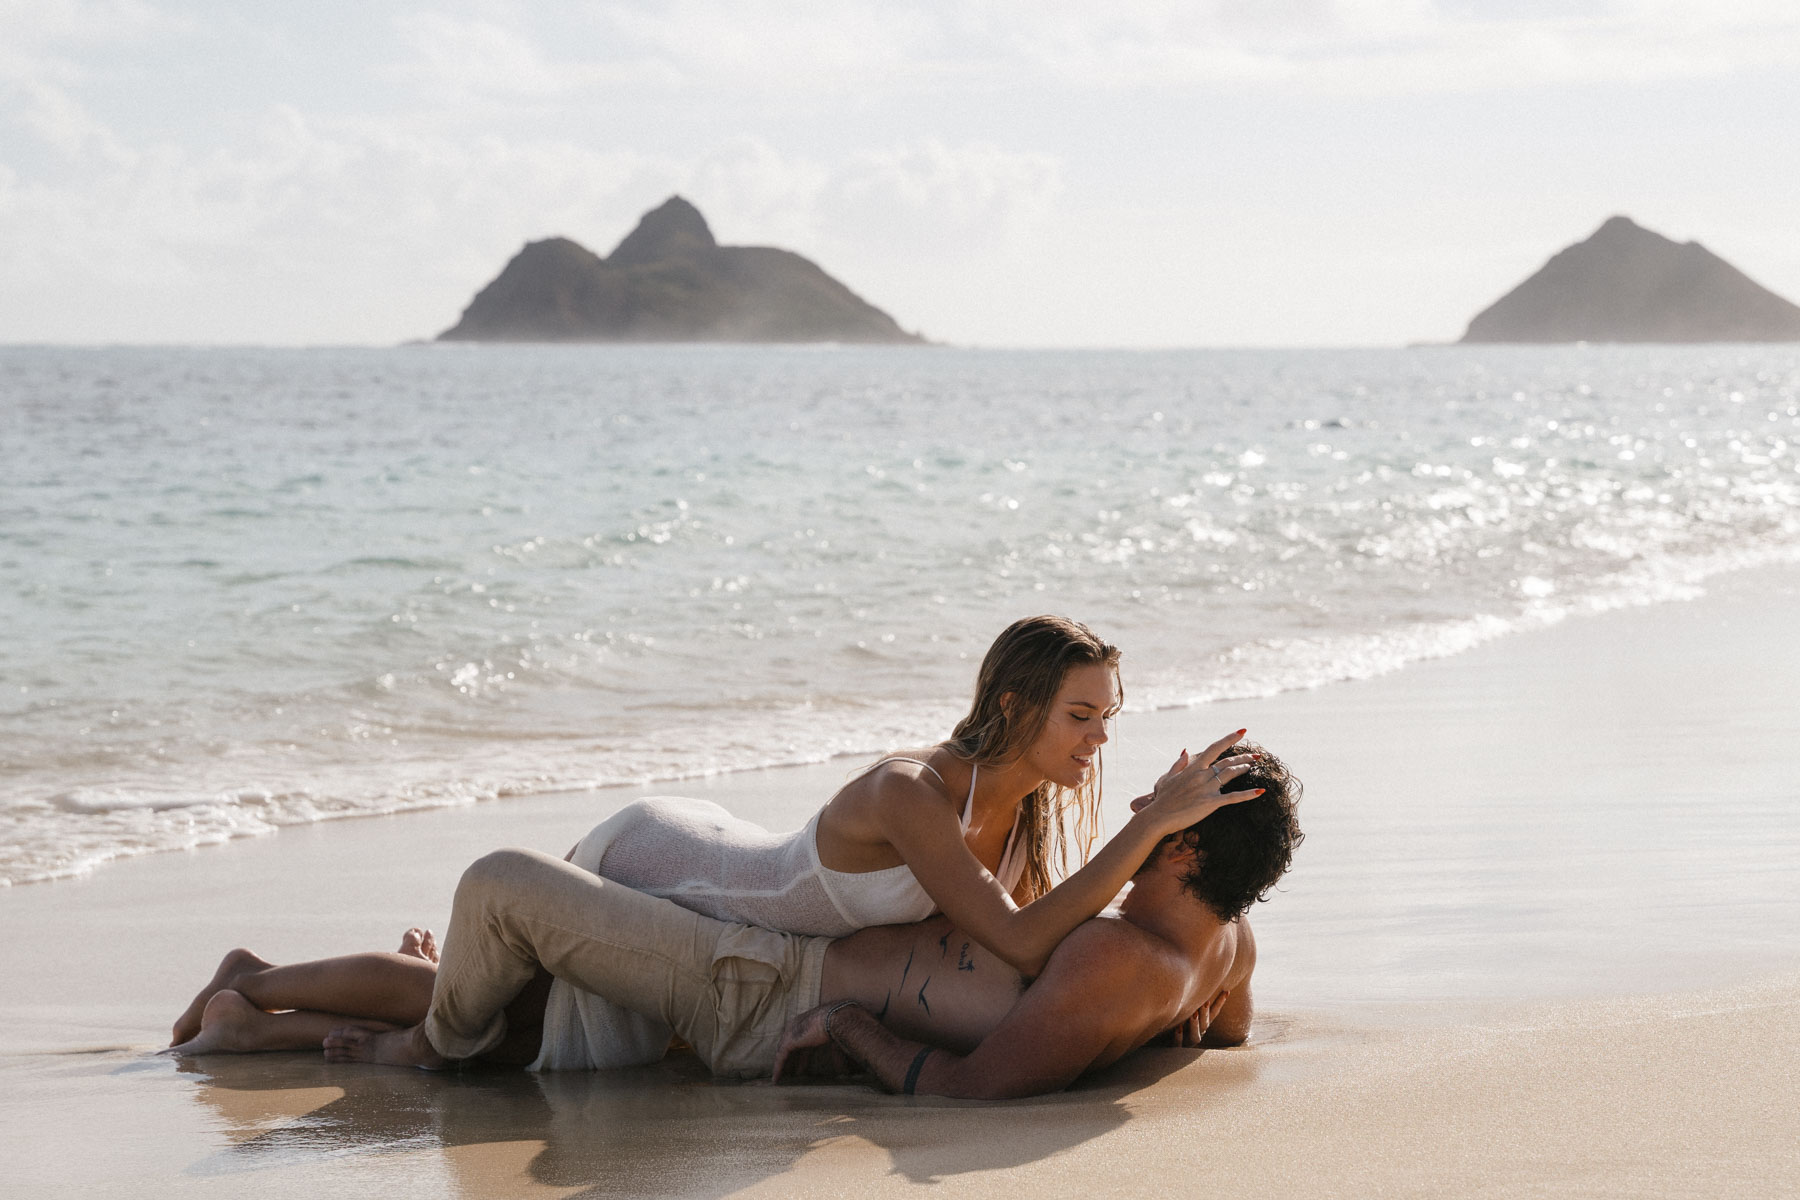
pixel 245 588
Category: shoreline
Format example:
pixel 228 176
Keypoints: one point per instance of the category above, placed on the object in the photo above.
pixel 1454 638
pixel 1543 937
pixel 1324 733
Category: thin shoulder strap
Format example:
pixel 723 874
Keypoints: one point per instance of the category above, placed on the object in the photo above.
pixel 1012 863
pixel 882 762
pixel 968 812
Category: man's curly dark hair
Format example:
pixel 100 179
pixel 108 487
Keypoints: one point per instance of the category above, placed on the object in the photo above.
pixel 1245 848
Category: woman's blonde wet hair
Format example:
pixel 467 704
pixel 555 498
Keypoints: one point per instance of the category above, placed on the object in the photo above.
pixel 1019 679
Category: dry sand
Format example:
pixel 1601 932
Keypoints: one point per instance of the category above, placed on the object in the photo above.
pixel 1635 1032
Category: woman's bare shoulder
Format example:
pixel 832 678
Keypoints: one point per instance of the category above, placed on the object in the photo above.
pixel 906 777
pixel 935 766
pixel 884 795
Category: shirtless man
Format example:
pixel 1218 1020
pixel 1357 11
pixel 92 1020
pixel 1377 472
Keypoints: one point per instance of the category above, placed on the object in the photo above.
pixel 924 1010
pixel 918 1006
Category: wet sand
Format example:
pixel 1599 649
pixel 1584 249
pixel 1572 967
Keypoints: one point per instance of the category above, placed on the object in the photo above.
pixel 1543 939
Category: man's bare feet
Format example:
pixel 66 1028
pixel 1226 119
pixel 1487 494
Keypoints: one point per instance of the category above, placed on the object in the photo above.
pixel 399 1048
pixel 419 943
pixel 236 963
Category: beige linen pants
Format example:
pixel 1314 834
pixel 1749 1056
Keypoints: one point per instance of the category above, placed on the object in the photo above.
pixel 726 989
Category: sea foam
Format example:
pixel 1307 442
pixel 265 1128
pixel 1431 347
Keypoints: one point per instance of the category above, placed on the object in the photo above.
pixel 246 589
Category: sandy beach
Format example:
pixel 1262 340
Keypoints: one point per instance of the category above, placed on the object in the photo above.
pixel 430 430
pixel 1543 939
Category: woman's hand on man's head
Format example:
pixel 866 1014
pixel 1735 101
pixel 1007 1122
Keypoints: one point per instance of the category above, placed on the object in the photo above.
pixel 1192 789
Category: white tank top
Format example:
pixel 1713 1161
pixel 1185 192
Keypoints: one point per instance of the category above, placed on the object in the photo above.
pixel 697 854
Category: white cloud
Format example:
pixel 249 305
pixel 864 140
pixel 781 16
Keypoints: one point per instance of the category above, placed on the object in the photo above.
pixel 354 230
pixel 938 157
pixel 455 57
pixel 1333 46
pixel 37 23
pixel 786 45
pixel 56 119
pixel 349 231
pixel 42 66
pixel 929 192
pixel 1380 47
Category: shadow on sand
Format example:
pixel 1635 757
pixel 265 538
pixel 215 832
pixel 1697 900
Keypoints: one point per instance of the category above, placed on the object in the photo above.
pixel 661 1129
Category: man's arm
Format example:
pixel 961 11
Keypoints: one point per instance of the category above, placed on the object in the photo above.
pixel 1097 988
pixel 1230 1026
pixel 854 1033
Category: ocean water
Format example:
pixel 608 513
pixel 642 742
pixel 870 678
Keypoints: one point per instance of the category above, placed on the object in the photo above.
pixel 242 589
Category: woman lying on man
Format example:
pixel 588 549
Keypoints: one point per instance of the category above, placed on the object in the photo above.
pixel 969 827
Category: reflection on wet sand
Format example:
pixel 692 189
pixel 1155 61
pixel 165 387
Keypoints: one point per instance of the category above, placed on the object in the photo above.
pixel 661 1129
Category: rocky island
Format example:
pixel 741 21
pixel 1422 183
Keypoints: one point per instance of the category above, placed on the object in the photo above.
pixel 668 281
pixel 1628 284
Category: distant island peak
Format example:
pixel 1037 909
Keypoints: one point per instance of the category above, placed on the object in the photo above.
pixel 669 280
pixel 673 228
pixel 1625 283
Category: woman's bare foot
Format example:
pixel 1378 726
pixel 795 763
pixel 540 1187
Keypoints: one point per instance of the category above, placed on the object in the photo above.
pixel 398 1048
pixel 419 943
pixel 236 963
pixel 225 1026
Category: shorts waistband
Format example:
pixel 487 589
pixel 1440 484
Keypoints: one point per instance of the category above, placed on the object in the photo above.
pixel 809 978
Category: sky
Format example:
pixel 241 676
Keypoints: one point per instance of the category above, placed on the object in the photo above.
pixel 1127 173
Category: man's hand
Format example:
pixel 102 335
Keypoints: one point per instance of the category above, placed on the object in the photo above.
pixel 855 1043
pixel 807 1049
pixel 1188 1033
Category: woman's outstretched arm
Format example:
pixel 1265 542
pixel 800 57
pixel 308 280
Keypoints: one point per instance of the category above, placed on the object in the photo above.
pixel 930 839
